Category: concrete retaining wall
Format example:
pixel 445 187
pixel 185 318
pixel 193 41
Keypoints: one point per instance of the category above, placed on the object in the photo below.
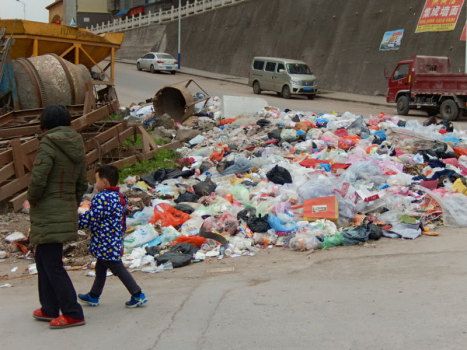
pixel 139 41
pixel 339 39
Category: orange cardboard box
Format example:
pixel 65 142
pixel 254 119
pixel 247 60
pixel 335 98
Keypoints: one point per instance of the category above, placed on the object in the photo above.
pixel 321 208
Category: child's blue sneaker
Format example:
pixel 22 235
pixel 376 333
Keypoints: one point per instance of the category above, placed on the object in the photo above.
pixel 87 299
pixel 137 301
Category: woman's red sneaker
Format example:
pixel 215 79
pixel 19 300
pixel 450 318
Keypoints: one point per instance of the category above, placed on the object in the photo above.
pixel 63 321
pixel 39 315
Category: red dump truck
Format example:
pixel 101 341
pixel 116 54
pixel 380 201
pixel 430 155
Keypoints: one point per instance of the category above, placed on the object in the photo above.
pixel 424 83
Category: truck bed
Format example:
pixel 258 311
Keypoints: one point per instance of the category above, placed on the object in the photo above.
pixel 439 84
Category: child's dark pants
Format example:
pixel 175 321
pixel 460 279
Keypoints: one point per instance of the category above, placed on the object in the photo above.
pixel 118 270
pixel 56 291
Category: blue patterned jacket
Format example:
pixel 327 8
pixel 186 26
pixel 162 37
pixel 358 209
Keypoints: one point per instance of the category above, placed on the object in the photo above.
pixel 106 220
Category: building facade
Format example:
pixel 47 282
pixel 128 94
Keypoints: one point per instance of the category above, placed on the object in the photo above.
pixel 81 13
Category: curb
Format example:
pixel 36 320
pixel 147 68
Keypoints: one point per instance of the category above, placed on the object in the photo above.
pixel 324 96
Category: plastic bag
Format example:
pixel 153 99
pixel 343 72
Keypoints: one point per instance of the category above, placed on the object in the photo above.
pixel 169 234
pixel 240 193
pixel 140 236
pixel 258 224
pixel 140 217
pixel 186 208
pixel 332 241
pixel 264 238
pixel 304 242
pixel 358 127
pixel 364 170
pixel 454 207
pixel 355 235
pixel 280 226
pixel 289 135
pixel 205 188
pixel 187 197
pixel 168 215
pixel 241 165
pixel 279 175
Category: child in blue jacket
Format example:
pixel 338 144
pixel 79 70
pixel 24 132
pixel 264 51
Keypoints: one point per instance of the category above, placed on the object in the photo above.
pixel 106 220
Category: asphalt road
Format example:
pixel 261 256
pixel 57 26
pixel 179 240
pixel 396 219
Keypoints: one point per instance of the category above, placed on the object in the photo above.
pixel 134 86
pixel 389 294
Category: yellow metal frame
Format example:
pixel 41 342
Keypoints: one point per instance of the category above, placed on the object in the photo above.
pixel 77 46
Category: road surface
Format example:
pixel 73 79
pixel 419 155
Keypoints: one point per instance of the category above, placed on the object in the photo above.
pixel 389 294
pixel 134 86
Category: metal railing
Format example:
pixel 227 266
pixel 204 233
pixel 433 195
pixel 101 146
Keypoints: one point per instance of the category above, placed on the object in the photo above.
pixel 190 9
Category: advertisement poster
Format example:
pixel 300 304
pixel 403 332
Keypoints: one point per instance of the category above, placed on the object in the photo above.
pixel 439 15
pixel 392 40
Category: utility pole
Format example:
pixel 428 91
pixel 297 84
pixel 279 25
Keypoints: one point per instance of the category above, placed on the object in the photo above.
pixel 24 8
pixel 180 30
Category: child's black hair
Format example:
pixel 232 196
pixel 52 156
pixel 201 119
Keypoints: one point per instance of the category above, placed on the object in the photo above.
pixel 53 116
pixel 108 172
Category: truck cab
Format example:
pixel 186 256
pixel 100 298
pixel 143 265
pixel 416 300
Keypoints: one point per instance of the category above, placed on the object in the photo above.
pixel 425 83
pixel 399 82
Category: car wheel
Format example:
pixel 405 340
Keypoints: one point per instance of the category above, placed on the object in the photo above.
pixel 310 97
pixel 449 110
pixel 403 105
pixel 173 72
pixel 286 92
pixel 256 88
pixel 151 69
pixel 138 66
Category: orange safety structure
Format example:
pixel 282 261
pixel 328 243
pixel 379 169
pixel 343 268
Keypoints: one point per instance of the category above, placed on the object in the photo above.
pixel 77 45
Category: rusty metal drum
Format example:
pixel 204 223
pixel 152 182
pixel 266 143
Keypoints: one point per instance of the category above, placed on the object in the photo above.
pixel 49 79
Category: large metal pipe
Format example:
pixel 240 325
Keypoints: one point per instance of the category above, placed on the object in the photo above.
pixel 49 79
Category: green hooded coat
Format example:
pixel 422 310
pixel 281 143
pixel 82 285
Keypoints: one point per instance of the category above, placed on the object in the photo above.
pixel 58 181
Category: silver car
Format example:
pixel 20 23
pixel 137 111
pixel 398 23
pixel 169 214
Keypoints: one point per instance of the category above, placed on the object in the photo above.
pixel 157 62
pixel 284 76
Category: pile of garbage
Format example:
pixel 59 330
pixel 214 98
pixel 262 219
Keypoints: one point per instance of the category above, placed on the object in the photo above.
pixel 300 180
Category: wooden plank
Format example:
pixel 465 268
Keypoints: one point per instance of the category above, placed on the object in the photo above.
pixel 18 201
pixel 94 116
pixel 28 147
pixel 100 138
pixel 6 172
pixel 20 131
pixel 144 140
pixel 14 187
pixel 18 157
pixel 108 146
pixel 36 112
pixel 5 118
pixel 89 100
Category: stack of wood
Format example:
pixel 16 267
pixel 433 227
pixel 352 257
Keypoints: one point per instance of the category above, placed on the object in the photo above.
pixel 104 141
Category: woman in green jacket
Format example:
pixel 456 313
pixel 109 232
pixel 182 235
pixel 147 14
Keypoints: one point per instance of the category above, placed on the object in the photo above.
pixel 58 181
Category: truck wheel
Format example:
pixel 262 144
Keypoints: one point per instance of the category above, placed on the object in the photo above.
pixel 449 110
pixel 256 88
pixel 403 105
pixel 286 92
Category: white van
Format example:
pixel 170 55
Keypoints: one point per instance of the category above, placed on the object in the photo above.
pixel 284 76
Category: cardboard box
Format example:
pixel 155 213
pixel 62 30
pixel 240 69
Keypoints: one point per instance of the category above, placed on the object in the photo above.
pixel 321 208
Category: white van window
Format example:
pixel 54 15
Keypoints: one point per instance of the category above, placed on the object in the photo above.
pixel 280 66
pixel 259 65
pixel 270 66
pixel 298 68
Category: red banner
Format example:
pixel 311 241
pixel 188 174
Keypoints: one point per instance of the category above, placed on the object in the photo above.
pixel 439 15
